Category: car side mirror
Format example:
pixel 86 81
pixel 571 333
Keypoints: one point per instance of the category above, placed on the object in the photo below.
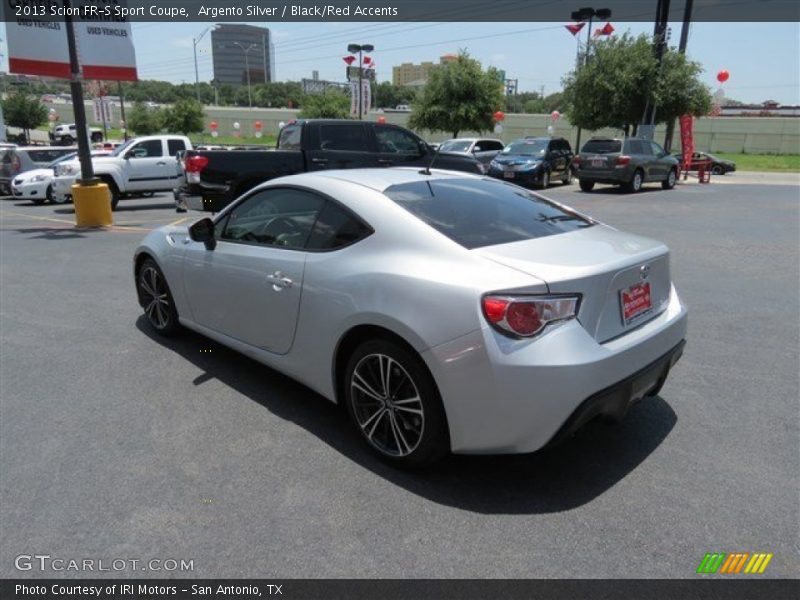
pixel 203 231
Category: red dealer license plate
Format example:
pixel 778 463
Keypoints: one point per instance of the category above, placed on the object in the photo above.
pixel 635 302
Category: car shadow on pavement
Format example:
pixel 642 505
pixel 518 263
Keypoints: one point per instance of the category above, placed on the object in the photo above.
pixel 122 208
pixel 552 480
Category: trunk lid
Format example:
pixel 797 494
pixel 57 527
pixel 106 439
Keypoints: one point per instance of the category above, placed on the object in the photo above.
pixel 600 263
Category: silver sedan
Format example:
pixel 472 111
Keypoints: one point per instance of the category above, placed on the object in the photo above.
pixel 447 312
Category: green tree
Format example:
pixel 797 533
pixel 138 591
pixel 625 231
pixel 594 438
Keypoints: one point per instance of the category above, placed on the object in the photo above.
pixel 388 95
pixel 459 96
pixel 621 76
pixel 24 111
pixel 185 116
pixel 331 104
pixel 143 120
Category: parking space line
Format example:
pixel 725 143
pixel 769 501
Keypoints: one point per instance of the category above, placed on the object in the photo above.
pixel 123 228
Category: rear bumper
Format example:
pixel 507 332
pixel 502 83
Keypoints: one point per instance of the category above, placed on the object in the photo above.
pixel 203 198
pixel 513 396
pixel 614 401
pixel 615 177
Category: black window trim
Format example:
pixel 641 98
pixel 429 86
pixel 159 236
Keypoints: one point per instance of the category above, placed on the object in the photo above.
pixel 225 214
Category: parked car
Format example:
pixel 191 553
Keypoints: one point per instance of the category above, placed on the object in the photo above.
pixel 17 160
pixel 627 162
pixel 65 134
pixel 719 166
pixel 484 149
pixel 214 179
pixel 139 167
pixel 447 312
pixel 534 161
pixel 36 185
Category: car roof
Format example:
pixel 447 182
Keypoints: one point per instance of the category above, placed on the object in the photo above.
pixel 27 148
pixel 378 179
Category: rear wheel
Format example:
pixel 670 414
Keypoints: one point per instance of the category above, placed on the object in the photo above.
pixel 717 170
pixel 156 299
pixel 393 402
pixel 586 186
pixel 669 182
pixel 635 184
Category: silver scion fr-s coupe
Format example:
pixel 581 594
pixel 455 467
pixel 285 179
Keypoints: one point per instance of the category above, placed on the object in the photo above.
pixel 446 311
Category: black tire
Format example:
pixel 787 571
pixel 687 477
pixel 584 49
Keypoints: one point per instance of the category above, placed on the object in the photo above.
pixel 717 170
pixel 545 183
pixel 115 195
pixel 67 140
pixel 395 432
pixel 568 176
pixel 586 186
pixel 671 180
pixel 155 298
pixel 635 184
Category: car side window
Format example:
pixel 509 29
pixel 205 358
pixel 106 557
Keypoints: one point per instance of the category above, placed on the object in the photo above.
pixel 488 145
pixel 175 146
pixel 396 141
pixel 346 137
pixel 147 149
pixel 656 149
pixel 281 217
pixel 290 138
pixel 336 227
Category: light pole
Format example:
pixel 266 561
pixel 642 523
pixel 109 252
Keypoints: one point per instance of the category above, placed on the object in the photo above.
pixel 588 14
pixel 196 41
pixel 360 48
pixel 246 50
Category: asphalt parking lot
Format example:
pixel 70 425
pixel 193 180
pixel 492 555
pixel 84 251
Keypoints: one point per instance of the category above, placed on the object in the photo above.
pixel 117 444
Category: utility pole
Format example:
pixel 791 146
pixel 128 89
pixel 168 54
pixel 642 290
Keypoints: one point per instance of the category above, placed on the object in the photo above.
pixel 247 68
pixel 196 41
pixel 687 20
pixel 659 45
pixel 122 110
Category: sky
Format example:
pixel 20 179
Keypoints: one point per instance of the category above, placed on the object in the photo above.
pixel 763 58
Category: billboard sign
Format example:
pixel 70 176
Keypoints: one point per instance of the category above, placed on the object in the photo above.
pixel 366 73
pixel 39 46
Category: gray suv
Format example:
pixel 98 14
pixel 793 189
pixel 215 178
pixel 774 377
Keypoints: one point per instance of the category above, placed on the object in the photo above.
pixel 627 162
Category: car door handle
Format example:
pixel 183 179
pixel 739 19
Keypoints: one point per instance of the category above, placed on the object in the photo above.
pixel 385 161
pixel 279 281
pixel 320 161
pixel 161 163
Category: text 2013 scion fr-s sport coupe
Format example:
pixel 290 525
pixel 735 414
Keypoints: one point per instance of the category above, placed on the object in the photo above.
pixel 445 311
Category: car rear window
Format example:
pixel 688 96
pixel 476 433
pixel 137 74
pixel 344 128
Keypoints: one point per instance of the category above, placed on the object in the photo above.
pixel 481 212
pixel 602 146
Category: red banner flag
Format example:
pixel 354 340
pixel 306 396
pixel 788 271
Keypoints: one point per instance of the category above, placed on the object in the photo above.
pixel 574 28
pixel 349 60
pixel 687 140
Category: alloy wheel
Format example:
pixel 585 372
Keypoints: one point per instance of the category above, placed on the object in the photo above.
pixel 155 297
pixel 387 405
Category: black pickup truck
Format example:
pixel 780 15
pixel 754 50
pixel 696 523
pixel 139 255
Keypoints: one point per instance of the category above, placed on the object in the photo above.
pixel 214 178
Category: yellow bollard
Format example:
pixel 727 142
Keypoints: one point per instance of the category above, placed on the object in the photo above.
pixel 92 205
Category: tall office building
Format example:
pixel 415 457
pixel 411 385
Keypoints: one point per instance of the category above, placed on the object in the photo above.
pixel 228 46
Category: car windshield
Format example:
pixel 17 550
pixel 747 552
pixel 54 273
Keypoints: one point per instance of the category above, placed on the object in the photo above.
pixel 456 146
pixel 64 158
pixel 527 147
pixel 122 147
pixel 602 146
pixel 483 212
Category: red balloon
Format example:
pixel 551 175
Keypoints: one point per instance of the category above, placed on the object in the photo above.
pixel 723 76
pixel 499 116
pixel 381 119
pixel 258 125
pixel 213 125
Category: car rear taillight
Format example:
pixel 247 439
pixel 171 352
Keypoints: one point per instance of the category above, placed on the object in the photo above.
pixel 193 165
pixel 527 316
pixel 623 160
pixel 576 160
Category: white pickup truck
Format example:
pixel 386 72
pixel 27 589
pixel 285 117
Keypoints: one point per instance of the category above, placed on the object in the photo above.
pixel 139 167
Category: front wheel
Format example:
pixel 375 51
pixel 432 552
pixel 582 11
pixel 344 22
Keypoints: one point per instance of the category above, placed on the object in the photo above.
pixel 156 299
pixel 545 183
pixel 586 186
pixel 393 402
pixel 717 170
pixel 669 182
